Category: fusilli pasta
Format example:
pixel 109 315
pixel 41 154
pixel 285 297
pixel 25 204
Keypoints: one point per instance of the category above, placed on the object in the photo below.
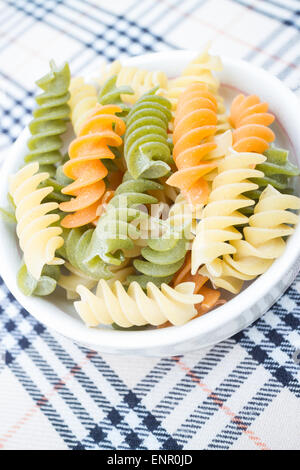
pixel 118 229
pixel 112 304
pixel 183 214
pixel 100 130
pixel 199 69
pixel 250 119
pixel 75 250
pixel 146 148
pixel 262 243
pixel 195 121
pixel 161 258
pixel 38 238
pixel 220 215
pixel 57 184
pixel 49 118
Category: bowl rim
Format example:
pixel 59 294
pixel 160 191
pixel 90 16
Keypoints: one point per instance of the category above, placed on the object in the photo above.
pixel 154 339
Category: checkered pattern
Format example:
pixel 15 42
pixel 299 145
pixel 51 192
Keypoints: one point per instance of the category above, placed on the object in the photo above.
pixel 241 394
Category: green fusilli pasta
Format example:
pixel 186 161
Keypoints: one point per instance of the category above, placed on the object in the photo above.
pixel 164 254
pixel 115 232
pixel 50 119
pixel 146 149
pixel 111 94
pixel 75 250
pixel 162 258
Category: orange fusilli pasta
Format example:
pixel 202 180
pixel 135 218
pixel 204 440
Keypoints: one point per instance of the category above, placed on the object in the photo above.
pixel 100 130
pixel 250 119
pixel 195 121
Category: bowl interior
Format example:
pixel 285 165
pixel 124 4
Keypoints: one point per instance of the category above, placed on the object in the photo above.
pixel 58 313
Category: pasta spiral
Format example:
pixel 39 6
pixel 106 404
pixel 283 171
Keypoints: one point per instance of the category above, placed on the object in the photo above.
pixel 277 172
pixel 195 121
pixel 79 270
pixel 75 250
pixel 38 238
pixel 250 119
pixel 201 69
pixel 138 79
pixel 50 117
pixel 100 130
pixel 118 229
pixel 146 148
pixel 263 242
pixel 83 100
pixel 162 257
pixel 112 304
pixel 220 215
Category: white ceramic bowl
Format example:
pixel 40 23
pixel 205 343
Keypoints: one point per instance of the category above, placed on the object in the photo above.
pixel 58 314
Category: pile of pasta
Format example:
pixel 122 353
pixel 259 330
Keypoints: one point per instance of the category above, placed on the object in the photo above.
pixel 163 202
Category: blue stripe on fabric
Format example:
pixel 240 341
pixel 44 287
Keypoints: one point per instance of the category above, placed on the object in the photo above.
pixel 286 22
pixel 43 404
pixel 250 412
pixel 204 411
pixel 181 389
pixel 131 401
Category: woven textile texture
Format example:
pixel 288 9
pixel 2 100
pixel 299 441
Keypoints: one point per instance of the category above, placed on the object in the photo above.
pixel 241 394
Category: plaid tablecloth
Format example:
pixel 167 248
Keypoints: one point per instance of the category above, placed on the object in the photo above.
pixel 241 394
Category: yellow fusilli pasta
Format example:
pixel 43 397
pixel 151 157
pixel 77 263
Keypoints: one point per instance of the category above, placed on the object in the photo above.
pixel 138 79
pixel 216 227
pixel 83 99
pixel 263 242
pixel 38 238
pixel 112 304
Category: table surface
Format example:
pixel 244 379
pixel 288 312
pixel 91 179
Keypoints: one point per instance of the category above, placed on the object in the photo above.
pixel 241 394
